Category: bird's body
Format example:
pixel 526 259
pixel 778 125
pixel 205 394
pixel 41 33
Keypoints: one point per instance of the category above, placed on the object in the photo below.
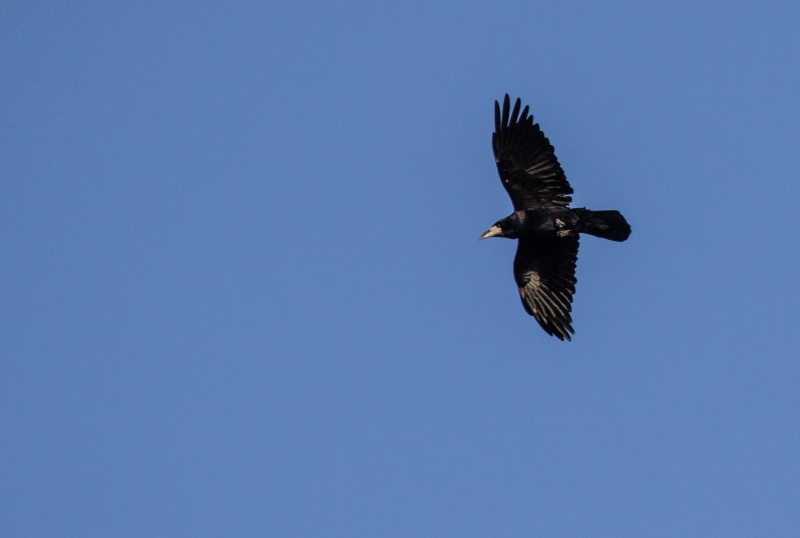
pixel 546 228
pixel 557 221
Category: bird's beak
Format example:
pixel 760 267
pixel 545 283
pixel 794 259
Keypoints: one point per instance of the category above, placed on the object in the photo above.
pixel 491 232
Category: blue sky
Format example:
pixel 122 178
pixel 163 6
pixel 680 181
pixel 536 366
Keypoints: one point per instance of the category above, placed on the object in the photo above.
pixel 242 293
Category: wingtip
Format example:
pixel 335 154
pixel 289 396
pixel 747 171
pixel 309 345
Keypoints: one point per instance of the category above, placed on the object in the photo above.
pixel 562 333
pixel 506 116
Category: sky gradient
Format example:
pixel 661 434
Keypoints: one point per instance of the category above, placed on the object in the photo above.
pixel 242 292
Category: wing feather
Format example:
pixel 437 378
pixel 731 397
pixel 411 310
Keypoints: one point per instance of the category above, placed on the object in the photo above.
pixel 544 270
pixel 526 161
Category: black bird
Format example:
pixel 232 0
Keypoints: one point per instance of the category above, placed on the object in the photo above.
pixel 547 229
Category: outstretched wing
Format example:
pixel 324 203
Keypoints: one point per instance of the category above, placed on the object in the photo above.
pixel 545 273
pixel 526 162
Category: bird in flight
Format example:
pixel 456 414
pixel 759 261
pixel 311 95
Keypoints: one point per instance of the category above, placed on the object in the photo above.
pixel 546 228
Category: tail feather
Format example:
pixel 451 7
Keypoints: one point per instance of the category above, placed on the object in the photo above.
pixel 606 224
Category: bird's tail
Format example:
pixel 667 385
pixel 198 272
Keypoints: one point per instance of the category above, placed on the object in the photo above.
pixel 606 224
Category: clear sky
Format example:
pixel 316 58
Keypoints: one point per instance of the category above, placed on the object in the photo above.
pixel 242 292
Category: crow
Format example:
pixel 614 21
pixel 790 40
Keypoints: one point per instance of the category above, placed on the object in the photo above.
pixel 546 228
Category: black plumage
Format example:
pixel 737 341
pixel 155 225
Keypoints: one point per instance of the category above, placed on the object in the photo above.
pixel 546 227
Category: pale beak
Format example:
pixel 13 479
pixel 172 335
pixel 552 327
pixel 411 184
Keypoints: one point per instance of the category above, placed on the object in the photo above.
pixel 491 232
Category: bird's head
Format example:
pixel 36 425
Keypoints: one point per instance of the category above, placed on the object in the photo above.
pixel 502 228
